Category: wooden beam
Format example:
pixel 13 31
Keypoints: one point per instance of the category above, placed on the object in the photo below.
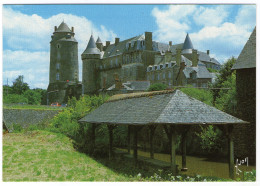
pixel 93 137
pixel 110 131
pixel 152 130
pixel 129 139
pixel 169 135
pixel 135 143
pixel 185 130
pixel 231 151
pixel 173 148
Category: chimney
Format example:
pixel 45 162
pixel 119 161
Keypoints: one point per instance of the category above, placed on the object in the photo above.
pixel 170 43
pixel 208 52
pixel 107 43
pixel 55 28
pixel 116 40
pixel 118 83
pixel 178 57
pixel 194 58
pixel 149 40
pixel 72 29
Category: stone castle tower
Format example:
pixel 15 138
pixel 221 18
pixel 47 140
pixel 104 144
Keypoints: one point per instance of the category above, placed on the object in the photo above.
pixel 91 60
pixel 64 67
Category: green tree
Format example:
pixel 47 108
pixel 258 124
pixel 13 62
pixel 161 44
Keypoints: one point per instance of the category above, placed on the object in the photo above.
pixel 33 97
pixel 19 87
pixel 14 98
pixel 223 76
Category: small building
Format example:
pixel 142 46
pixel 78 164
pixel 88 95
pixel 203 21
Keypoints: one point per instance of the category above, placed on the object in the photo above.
pixel 245 67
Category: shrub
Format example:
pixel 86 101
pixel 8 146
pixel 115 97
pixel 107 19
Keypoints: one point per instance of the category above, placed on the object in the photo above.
pixel 157 87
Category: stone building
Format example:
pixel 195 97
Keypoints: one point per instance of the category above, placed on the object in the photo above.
pixel 140 58
pixel 137 59
pixel 64 69
pixel 245 66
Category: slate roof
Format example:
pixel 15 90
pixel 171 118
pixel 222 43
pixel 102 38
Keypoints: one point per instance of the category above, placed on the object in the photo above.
pixel 91 47
pixel 202 72
pixel 203 56
pixel 118 49
pixel 187 43
pixel 98 40
pixel 247 58
pixel 133 85
pixel 161 107
pixel 63 28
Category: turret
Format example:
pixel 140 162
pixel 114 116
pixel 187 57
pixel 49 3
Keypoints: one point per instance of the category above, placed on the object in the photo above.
pixel 90 59
pixel 187 46
pixel 99 44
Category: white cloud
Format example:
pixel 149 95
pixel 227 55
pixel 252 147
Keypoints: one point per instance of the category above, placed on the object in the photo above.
pixel 211 29
pixel 172 23
pixel 28 37
pixel 210 16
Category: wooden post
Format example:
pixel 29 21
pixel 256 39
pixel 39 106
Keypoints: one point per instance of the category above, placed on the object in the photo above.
pixel 152 129
pixel 184 141
pixel 231 151
pixel 169 135
pixel 93 137
pixel 135 143
pixel 110 130
pixel 173 147
pixel 129 139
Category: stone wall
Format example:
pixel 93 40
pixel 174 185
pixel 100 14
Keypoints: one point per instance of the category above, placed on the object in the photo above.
pixel 26 117
pixel 245 135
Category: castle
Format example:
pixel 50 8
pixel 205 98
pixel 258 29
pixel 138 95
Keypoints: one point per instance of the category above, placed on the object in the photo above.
pixel 132 64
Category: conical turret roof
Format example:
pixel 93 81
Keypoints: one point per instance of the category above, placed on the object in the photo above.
pixel 187 43
pixel 63 28
pixel 91 47
pixel 98 40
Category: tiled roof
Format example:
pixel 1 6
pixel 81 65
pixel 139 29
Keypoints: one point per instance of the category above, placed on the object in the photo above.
pixel 247 58
pixel 161 107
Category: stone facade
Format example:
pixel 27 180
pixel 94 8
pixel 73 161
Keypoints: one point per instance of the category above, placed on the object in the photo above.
pixel 140 58
pixel 63 76
pixel 245 135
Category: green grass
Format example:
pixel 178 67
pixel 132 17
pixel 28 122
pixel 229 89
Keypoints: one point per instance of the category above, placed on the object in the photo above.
pixel 46 156
pixel 34 107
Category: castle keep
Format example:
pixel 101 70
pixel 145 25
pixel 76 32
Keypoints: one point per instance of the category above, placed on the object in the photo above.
pixel 131 65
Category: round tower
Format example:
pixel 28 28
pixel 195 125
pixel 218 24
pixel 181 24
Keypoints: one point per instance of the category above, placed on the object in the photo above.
pixel 90 59
pixel 64 67
pixel 63 55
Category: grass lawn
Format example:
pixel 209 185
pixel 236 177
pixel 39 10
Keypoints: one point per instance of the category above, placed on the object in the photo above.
pixel 34 107
pixel 45 156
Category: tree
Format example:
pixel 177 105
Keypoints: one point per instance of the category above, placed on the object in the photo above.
pixel 33 97
pixel 223 76
pixel 19 87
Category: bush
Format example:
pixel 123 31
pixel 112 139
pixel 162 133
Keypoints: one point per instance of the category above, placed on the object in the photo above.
pixel 15 98
pixel 211 139
pixel 199 94
pixel 157 87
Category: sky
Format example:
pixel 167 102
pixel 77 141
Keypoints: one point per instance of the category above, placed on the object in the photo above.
pixel 27 30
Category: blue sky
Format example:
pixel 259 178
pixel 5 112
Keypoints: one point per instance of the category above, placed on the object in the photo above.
pixel 27 30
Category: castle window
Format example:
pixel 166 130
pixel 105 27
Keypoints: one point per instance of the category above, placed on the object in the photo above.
pixel 152 76
pixel 58 76
pixel 58 46
pixel 58 66
pixel 164 75
pixel 116 62
pixel 169 75
pixel 111 63
pixel 158 77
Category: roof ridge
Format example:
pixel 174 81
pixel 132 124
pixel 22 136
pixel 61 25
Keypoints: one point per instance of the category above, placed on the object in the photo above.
pixel 138 95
